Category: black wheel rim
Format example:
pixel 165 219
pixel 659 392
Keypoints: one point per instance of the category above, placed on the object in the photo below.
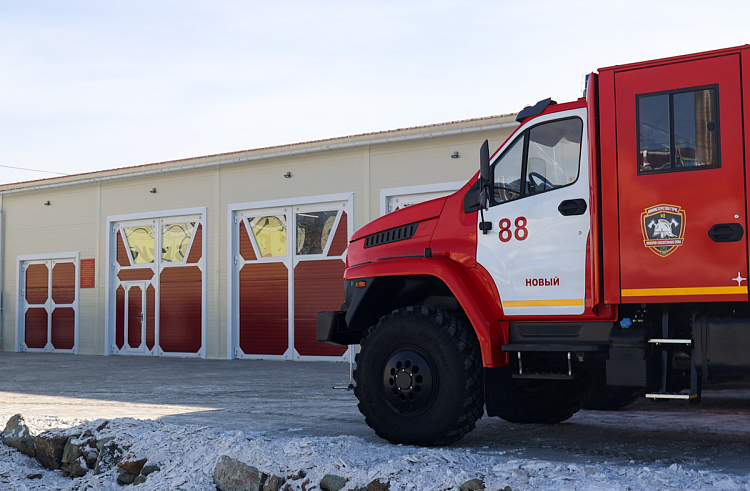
pixel 409 381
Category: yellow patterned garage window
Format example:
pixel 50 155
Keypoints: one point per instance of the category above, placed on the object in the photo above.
pixel 175 241
pixel 270 235
pixel 141 243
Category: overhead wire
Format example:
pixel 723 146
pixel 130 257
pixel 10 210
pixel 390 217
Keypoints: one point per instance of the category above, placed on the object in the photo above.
pixel 34 170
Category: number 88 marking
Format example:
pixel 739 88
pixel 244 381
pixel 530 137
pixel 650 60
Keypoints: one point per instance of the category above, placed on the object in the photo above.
pixel 520 233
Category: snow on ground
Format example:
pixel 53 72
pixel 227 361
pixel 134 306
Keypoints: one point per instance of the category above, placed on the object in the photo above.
pixel 187 455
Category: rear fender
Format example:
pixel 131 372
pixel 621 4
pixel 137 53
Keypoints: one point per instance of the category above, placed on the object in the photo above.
pixel 489 330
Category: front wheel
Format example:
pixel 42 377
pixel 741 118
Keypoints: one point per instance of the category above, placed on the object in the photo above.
pixel 419 377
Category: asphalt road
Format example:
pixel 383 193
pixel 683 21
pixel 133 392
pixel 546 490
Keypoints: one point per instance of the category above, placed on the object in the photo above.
pixel 280 399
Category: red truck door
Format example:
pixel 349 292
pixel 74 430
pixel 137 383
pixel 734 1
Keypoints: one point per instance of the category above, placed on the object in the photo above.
pixel 681 181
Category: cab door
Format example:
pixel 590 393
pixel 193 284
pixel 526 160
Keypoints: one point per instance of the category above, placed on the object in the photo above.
pixel 539 215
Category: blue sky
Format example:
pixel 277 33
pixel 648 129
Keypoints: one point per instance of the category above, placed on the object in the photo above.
pixel 90 85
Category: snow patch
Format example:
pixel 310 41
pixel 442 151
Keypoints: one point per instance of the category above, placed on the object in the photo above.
pixel 187 456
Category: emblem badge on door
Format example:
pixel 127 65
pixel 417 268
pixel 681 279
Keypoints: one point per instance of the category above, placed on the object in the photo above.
pixel 663 228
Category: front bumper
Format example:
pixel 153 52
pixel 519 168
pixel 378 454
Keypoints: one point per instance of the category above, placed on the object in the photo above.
pixel 332 329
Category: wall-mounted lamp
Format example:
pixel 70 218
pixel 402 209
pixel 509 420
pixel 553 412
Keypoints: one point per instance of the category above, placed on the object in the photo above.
pixel 153 191
pixel 455 155
pixel 47 203
pixel 288 175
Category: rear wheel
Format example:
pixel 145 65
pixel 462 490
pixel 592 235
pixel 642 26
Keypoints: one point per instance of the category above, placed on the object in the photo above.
pixel 605 397
pixel 419 377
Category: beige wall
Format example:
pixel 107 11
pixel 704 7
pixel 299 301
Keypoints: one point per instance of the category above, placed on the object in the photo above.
pixel 76 218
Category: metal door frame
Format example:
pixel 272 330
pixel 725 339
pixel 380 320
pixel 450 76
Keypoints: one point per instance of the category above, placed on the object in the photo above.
pixel 291 206
pixel 50 260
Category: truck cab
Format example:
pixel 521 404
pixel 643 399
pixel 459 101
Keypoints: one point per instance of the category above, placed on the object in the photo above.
pixel 598 255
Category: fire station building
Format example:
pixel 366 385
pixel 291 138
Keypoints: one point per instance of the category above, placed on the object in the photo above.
pixel 223 256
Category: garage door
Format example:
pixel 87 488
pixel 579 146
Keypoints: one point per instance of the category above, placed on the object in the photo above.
pixel 48 305
pixel 158 284
pixel 288 265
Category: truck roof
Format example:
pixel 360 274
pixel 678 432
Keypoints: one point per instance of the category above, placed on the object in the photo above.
pixel 676 59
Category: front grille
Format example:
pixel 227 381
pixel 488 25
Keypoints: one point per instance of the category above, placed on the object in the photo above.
pixel 391 235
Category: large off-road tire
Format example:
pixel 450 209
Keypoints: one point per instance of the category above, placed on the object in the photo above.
pixel 419 377
pixel 605 397
pixel 544 401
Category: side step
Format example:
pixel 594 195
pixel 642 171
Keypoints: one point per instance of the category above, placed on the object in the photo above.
pixel 689 342
pixel 544 376
pixel 671 395
pixel 666 343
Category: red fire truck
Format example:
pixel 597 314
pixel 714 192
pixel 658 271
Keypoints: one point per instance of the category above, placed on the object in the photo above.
pixel 597 256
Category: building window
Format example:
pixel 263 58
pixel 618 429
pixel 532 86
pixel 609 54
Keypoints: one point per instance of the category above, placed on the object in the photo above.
pixel 270 234
pixel 141 244
pixel 678 130
pixel 313 231
pixel 175 241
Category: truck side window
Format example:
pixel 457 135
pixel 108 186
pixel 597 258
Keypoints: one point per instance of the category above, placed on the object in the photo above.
pixel 678 130
pixel 543 158
pixel 507 173
pixel 553 155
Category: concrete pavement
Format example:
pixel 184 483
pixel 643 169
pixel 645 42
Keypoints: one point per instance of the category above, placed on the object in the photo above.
pixel 270 397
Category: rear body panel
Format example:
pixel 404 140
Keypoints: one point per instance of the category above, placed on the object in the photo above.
pixel 656 222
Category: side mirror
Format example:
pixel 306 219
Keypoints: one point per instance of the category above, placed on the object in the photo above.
pixel 484 162
pixel 477 196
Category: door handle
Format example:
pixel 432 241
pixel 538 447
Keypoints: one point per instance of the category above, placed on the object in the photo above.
pixel 571 207
pixel 726 232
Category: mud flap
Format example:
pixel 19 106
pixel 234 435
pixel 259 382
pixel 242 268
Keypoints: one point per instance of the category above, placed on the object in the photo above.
pixel 500 395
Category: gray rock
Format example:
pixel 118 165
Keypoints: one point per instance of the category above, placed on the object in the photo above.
pixel 298 475
pixel 109 457
pixel 18 435
pixel 71 451
pixel 274 483
pixel 91 455
pixel 49 449
pixel 332 482
pixel 233 475
pixel 472 485
pixel 100 443
pixel 33 476
pixel 102 426
pixel 77 468
pixel 149 468
pixel 125 478
pixel 139 479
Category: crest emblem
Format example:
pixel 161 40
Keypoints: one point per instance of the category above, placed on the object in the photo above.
pixel 663 228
